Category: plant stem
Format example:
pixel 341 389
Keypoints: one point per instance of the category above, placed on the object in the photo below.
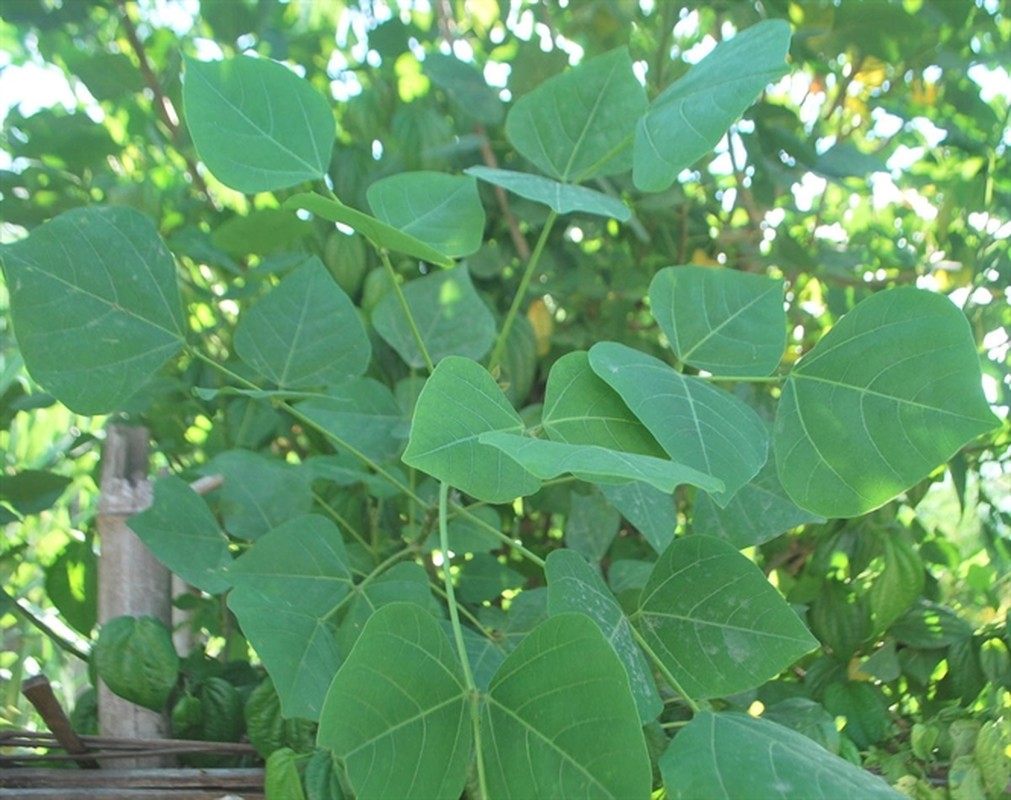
pixel 521 292
pixel 505 539
pixel 342 522
pixel 11 603
pixel 664 671
pixel 385 257
pixel 473 697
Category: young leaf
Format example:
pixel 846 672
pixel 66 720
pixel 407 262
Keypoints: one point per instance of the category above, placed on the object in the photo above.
pixel 256 125
pixel 560 721
pixel 728 755
pixel 305 332
pixel 281 780
pixel 443 211
pixel 893 390
pixel 459 402
pixel 95 305
pixel 579 124
pixel 721 320
pixel 687 120
pixel 135 658
pixel 715 621
pixel 574 586
pixel 400 699
pixel 697 424
pixel 181 531
pixel 448 311
pixel 563 198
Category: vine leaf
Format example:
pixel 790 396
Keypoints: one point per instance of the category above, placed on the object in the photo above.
pixel 95 305
pixel 888 394
pixel 715 621
pixel 256 125
pixel 564 198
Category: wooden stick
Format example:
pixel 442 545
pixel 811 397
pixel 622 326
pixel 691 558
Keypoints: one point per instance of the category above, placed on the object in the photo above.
pixel 40 694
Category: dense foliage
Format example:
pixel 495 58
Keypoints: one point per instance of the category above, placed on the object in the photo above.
pixel 529 471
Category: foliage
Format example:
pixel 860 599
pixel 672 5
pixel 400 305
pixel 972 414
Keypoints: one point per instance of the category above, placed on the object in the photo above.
pixel 702 472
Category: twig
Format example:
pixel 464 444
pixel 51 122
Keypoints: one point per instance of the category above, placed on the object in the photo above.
pixel 40 694
pixel 15 605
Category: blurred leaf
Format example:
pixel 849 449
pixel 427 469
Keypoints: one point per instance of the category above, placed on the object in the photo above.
pixel 651 511
pixel 865 710
pixel 72 585
pixel 260 232
pixel 31 491
pixel 465 86
pixel 930 625
pixel 562 198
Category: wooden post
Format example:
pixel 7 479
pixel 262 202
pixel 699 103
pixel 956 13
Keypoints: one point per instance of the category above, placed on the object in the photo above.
pixel 131 581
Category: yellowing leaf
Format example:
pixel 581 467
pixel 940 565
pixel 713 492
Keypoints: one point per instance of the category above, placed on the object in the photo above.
pixel 543 324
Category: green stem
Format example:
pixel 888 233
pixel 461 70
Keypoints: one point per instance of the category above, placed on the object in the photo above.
pixel 502 537
pixel 473 696
pixel 339 519
pixel 11 603
pixel 664 671
pixel 521 293
pixel 392 274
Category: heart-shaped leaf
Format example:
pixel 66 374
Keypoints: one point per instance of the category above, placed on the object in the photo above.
pixel 256 125
pixel 95 305
pixel 135 658
pixel 563 198
pixel 715 621
pixel 721 320
pixel 888 394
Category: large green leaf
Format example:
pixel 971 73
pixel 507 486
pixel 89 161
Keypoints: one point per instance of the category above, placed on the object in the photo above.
pixel 443 211
pixel 135 658
pixel 560 721
pixel 304 332
pixel 688 118
pixel 256 125
pixel 564 198
pixel 287 586
pixel 400 701
pixel 459 402
pixel 181 531
pixel 449 313
pixel 721 320
pixel 547 460
pixel 728 756
pixel 376 231
pixel 95 305
pixel 714 620
pixel 697 424
pixel 580 123
pixel 574 586
pixel 888 394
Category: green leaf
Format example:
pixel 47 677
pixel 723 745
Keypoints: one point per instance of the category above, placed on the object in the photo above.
pixel 31 491
pixel 591 525
pixel 379 233
pixel 760 511
pixel 888 394
pixel 95 305
pixel 864 708
pixel 901 581
pixel 929 625
pixel 729 755
pixel 261 232
pixel 714 620
pixel 444 211
pixel 305 332
pixel 268 729
pixel 183 534
pixel 560 721
pixel 72 585
pixel 651 511
pixel 256 125
pixel 465 86
pixel 697 424
pixel 579 124
pixel 458 403
pixel 563 198
pixel 689 117
pixel 721 320
pixel 400 699
pixel 548 460
pixel 448 311
pixel 135 658
pixel 573 586
pixel 484 578
pixel 281 780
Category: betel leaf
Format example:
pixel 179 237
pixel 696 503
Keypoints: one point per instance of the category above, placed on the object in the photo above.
pixel 181 531
pixel 458 403
pixel 449 313
pixel 441 210
pixel 281 780
pixel 697 424
pixel 547 460
pixel 888 394
pixel 730 755
pixel 563 198
pixel 135 658
pixel 95 305
pixel 580 123
pixel 574 586
pixel 256 125
pixel 376 231
pixel 72 585
pixel 715 621
pixel 305 332
pixel 559 719
pixel 286 588
pixel 689 117
pixel 400 698
pixel 720 320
